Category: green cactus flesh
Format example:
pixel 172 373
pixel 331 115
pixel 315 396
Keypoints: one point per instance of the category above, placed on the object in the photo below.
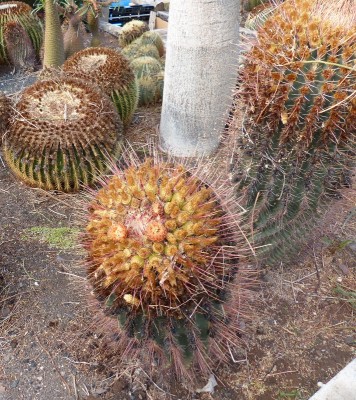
pixel 63 138
pixel 148 74
pixel 18 12
pixel 301 129
pixel 111 71
pixel 162 263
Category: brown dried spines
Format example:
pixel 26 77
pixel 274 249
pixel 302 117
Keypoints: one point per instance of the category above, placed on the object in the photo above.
pixel 111 72
pixel 19 47
pixel 5 112
pixel 16 11
pixel 64 132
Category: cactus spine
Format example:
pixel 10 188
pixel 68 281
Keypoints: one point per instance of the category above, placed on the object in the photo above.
pixel 63 136
pixel 161 260
pixel 136 49
pixel 5 113
pixel 111 72
pixel 154 38
pixel 299 84
pixel 20 13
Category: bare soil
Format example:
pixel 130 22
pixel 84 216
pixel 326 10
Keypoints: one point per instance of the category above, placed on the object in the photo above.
pixel 304 331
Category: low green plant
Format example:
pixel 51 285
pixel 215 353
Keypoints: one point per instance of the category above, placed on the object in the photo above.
pixel 61 237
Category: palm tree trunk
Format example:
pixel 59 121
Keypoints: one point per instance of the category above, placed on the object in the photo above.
pixel 201 71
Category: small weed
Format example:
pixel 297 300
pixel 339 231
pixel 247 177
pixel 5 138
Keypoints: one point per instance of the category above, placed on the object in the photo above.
pixel 347 295
pixel 293 394
pixel 61 238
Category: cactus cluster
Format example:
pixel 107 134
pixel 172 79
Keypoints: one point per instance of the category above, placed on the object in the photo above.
pixel 137 49
pixel 63 134
pixel 109 70
pixel 162 263
pixel 131 31
pixel 15 16
pixel 298 82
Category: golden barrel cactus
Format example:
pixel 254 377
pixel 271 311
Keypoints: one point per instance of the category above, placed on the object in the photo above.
pixel 111 71
pixel 63 134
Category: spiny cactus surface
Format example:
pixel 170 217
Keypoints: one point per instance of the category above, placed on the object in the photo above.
pixel 131 31
pixel 298 83
pixel 154 38
pixel 5 112
pixel 163 266
pixel 111 72
pixel 148 71
pixel 63 134
pixel 18 12
pixel 136 49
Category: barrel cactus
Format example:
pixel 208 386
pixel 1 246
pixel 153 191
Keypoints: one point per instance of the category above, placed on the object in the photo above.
pixel 20 13
pixel 63 134
pixel 111 72
pixel 5 112
pixel 20 51
pixel 163 266
pixel 298 82
pixel 154 38
pixel 149 78
pixel 136 49
pixel 131 31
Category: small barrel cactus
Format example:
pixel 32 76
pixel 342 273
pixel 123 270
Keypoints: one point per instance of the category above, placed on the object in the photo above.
pixel 111 71
pixel 148 74
pixel 63 134
pixel 298 83
pixel 136 50
pixel 131 31
pixel 20 51
pixel 163 265
pixel 154 38
pixel 20 13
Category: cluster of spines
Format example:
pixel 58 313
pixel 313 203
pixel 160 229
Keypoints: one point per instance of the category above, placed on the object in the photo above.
pixel 136 49
pixel 20 13
pixel 5 112
pixel 111 71
pixel 296 83
pixel 60 146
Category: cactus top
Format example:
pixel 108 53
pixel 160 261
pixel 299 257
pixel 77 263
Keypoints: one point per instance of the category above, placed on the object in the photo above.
pixel 11 7
pixel 63 113
pixel 103 66
pixel 156 239
pixel 300 75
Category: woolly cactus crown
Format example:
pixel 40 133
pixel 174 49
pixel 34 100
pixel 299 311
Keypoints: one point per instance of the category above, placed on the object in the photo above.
pixel 131 31
pixel 63 134
pixel 109 70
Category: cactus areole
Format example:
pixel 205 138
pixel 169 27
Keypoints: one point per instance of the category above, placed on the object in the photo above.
pixel 161 260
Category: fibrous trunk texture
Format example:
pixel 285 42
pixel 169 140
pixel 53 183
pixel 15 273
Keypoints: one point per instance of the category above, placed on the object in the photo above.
pixel 53 41
pixel 200 74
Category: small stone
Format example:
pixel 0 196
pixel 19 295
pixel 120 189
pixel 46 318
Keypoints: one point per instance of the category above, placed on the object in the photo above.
pixel 352 246
pixel 350 340
pixel 14 383
pixel 5 312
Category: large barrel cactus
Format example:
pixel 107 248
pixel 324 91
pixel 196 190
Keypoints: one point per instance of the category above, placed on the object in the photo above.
pixel 111 71
pixel 299 85
pixel 63 134
pixel 20 13
pixel 5 112
pixel 163 265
